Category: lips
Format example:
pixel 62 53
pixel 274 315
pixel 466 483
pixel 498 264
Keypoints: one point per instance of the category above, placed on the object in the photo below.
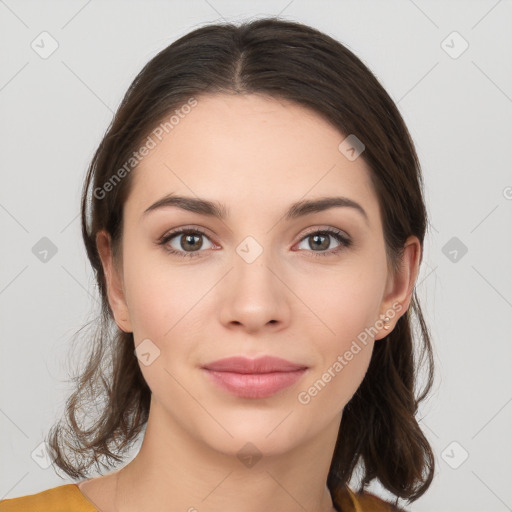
pixel 264 364
pixel 254 378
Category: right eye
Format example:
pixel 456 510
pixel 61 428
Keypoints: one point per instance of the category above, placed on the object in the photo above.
pixel 185 239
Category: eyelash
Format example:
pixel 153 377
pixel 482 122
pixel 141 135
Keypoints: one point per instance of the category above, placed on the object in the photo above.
pixel 338 235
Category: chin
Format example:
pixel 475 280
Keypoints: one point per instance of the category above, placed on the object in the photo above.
pixel 245 445
pixel 265 432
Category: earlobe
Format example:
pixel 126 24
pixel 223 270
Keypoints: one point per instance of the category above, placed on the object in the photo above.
pixel 115 292
pixel 400 287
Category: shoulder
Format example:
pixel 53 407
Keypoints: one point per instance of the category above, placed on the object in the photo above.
pixel 369 502
pixel 350 501
pixel 64 498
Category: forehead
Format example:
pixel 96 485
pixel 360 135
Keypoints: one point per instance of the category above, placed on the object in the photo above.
pixel 252 150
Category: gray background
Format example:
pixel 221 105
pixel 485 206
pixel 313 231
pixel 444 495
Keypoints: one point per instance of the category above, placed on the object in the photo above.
pixel 458 108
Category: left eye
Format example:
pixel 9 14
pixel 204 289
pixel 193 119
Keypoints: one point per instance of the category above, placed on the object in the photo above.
pixel 320 240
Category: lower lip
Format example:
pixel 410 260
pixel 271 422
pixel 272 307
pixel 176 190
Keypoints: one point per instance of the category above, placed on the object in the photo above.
pixel 255 385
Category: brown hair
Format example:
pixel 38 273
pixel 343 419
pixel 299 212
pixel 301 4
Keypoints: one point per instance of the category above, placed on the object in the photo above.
pixel 288 60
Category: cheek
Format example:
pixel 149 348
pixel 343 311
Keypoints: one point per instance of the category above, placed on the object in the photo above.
pixel 348 309
pixel 345 301
pixel 158 294
pixel 150 303
pixel 161 309
pixel 165 307
pixel 339 375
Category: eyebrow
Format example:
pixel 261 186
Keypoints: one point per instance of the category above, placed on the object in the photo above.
pixel 219 211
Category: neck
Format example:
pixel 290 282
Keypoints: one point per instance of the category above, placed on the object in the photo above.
pixel 176 472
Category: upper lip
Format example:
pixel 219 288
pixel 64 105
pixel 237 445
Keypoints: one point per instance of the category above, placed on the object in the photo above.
pixel 265 364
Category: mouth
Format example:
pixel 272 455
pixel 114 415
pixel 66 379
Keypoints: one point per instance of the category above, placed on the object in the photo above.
pixel 254 378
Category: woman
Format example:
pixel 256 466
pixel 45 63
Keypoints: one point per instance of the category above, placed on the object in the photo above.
pixel 255 220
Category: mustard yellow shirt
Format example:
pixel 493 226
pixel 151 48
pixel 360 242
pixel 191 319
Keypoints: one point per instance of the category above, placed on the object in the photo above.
pixel 69 498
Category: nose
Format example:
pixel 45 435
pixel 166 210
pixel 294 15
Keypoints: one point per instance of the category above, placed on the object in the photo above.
pixel 254 296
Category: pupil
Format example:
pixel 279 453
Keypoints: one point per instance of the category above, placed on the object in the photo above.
pixel 317 237
pixel 189 238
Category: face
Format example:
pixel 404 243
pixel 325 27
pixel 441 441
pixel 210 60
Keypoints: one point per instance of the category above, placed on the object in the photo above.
pixel 306 287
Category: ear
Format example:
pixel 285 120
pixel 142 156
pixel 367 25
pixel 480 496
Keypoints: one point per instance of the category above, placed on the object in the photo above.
pixel 114 281
pixel 400 286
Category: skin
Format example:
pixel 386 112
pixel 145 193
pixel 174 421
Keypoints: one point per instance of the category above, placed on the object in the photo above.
pixel 256 155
